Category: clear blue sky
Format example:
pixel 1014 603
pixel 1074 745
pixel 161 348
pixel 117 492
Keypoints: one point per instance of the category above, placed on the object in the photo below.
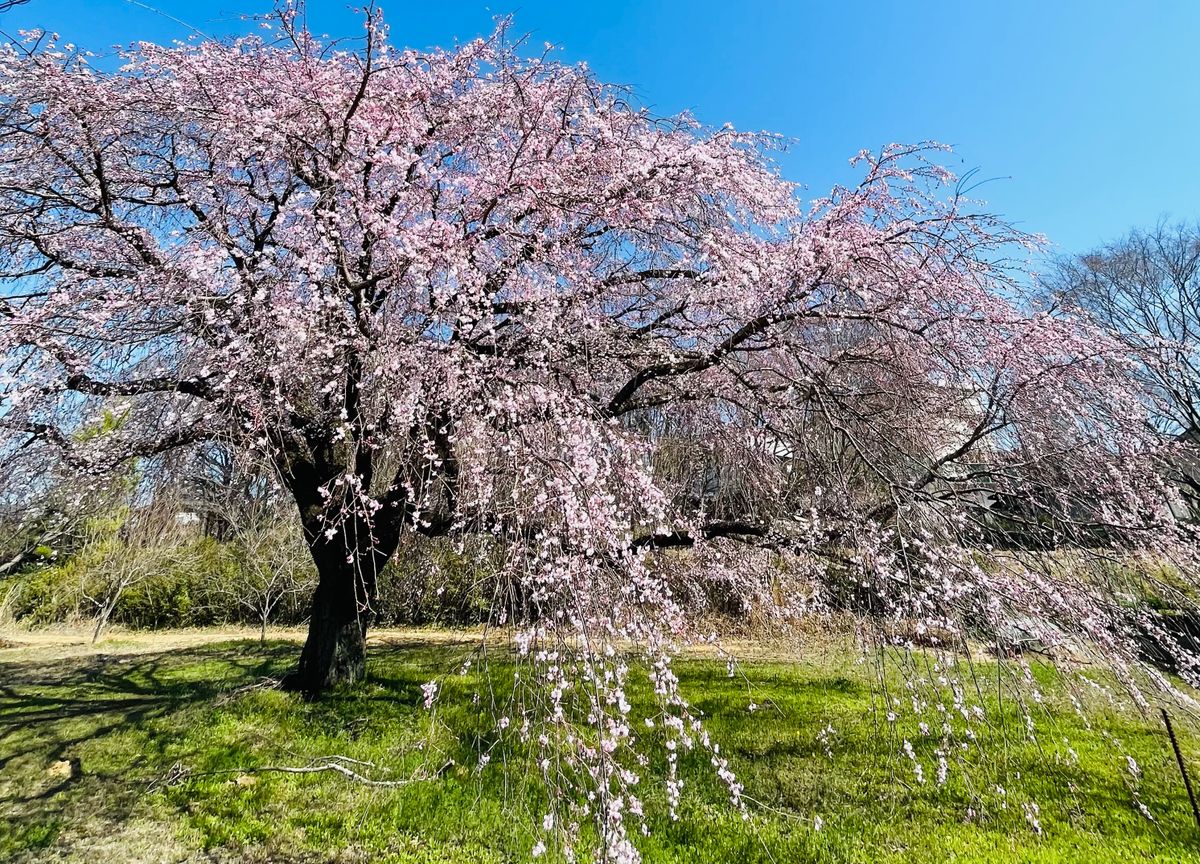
pixel 1089 109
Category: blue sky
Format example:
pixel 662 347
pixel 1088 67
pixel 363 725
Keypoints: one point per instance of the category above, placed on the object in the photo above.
pixel 1089 111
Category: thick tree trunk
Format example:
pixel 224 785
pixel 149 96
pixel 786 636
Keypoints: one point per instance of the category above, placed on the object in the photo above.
pixel 349 554
pixel 335 650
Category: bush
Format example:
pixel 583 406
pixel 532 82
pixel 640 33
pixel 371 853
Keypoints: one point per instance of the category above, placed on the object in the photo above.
pixel 436 582
pixel 39 597
pixel 195 580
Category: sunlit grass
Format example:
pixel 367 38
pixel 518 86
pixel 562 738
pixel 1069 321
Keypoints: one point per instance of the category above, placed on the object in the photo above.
pixel 134 722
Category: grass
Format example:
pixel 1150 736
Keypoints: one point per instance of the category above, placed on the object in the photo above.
pixel 87 742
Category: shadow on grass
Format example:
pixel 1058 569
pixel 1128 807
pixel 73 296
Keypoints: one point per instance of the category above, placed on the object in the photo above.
pixel 71 701
pixel 120 722
pixel 50 711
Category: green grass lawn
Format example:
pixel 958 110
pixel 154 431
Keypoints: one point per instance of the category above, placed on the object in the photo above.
pixel 123 722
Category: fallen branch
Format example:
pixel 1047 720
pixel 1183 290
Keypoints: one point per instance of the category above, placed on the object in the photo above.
pixel 179 774
pixel 264 683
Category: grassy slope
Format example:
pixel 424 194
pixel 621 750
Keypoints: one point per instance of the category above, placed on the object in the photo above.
pixel 128 720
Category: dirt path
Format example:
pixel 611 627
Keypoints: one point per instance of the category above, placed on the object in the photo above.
pixel 63 642
pixel 18 645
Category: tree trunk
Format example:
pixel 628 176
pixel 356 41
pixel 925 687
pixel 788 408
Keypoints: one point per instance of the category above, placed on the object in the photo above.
pixel 335 650
pixel 349 556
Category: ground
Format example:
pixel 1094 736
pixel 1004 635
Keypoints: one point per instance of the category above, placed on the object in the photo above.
pixel 145 748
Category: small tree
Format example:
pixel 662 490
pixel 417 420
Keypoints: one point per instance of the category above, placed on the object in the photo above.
pixel 124 548
pixel 273 571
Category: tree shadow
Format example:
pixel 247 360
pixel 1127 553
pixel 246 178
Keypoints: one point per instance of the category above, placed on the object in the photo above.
pixel 106 692
pixel 49 708
pixel 49 711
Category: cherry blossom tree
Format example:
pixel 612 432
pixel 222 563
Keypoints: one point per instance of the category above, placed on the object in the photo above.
pixel 477 294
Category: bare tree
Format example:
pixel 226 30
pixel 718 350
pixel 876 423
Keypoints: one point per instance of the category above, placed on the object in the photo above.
pixel 127 548
pixel 1146 288
pixel 275 570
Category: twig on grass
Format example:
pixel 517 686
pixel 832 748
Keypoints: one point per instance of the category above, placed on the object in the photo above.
pixel 264 683
pixel 178 773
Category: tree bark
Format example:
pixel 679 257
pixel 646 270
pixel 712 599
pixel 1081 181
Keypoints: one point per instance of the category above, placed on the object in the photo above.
pixel 349 556
pixel 348 561
pixel 335 651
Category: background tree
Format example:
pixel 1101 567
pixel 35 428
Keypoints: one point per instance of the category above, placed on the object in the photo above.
pixel 1146 289
pixel 273 569
pixel 129 543
pixel 45 505
pixel 41 511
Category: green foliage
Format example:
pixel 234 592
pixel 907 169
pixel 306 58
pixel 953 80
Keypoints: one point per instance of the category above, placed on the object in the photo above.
pixel 129 720
pixel 436 582
pixel 109 422
pixel 178 593
pixel 24 839
pixel 40 597
pixel 195 580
